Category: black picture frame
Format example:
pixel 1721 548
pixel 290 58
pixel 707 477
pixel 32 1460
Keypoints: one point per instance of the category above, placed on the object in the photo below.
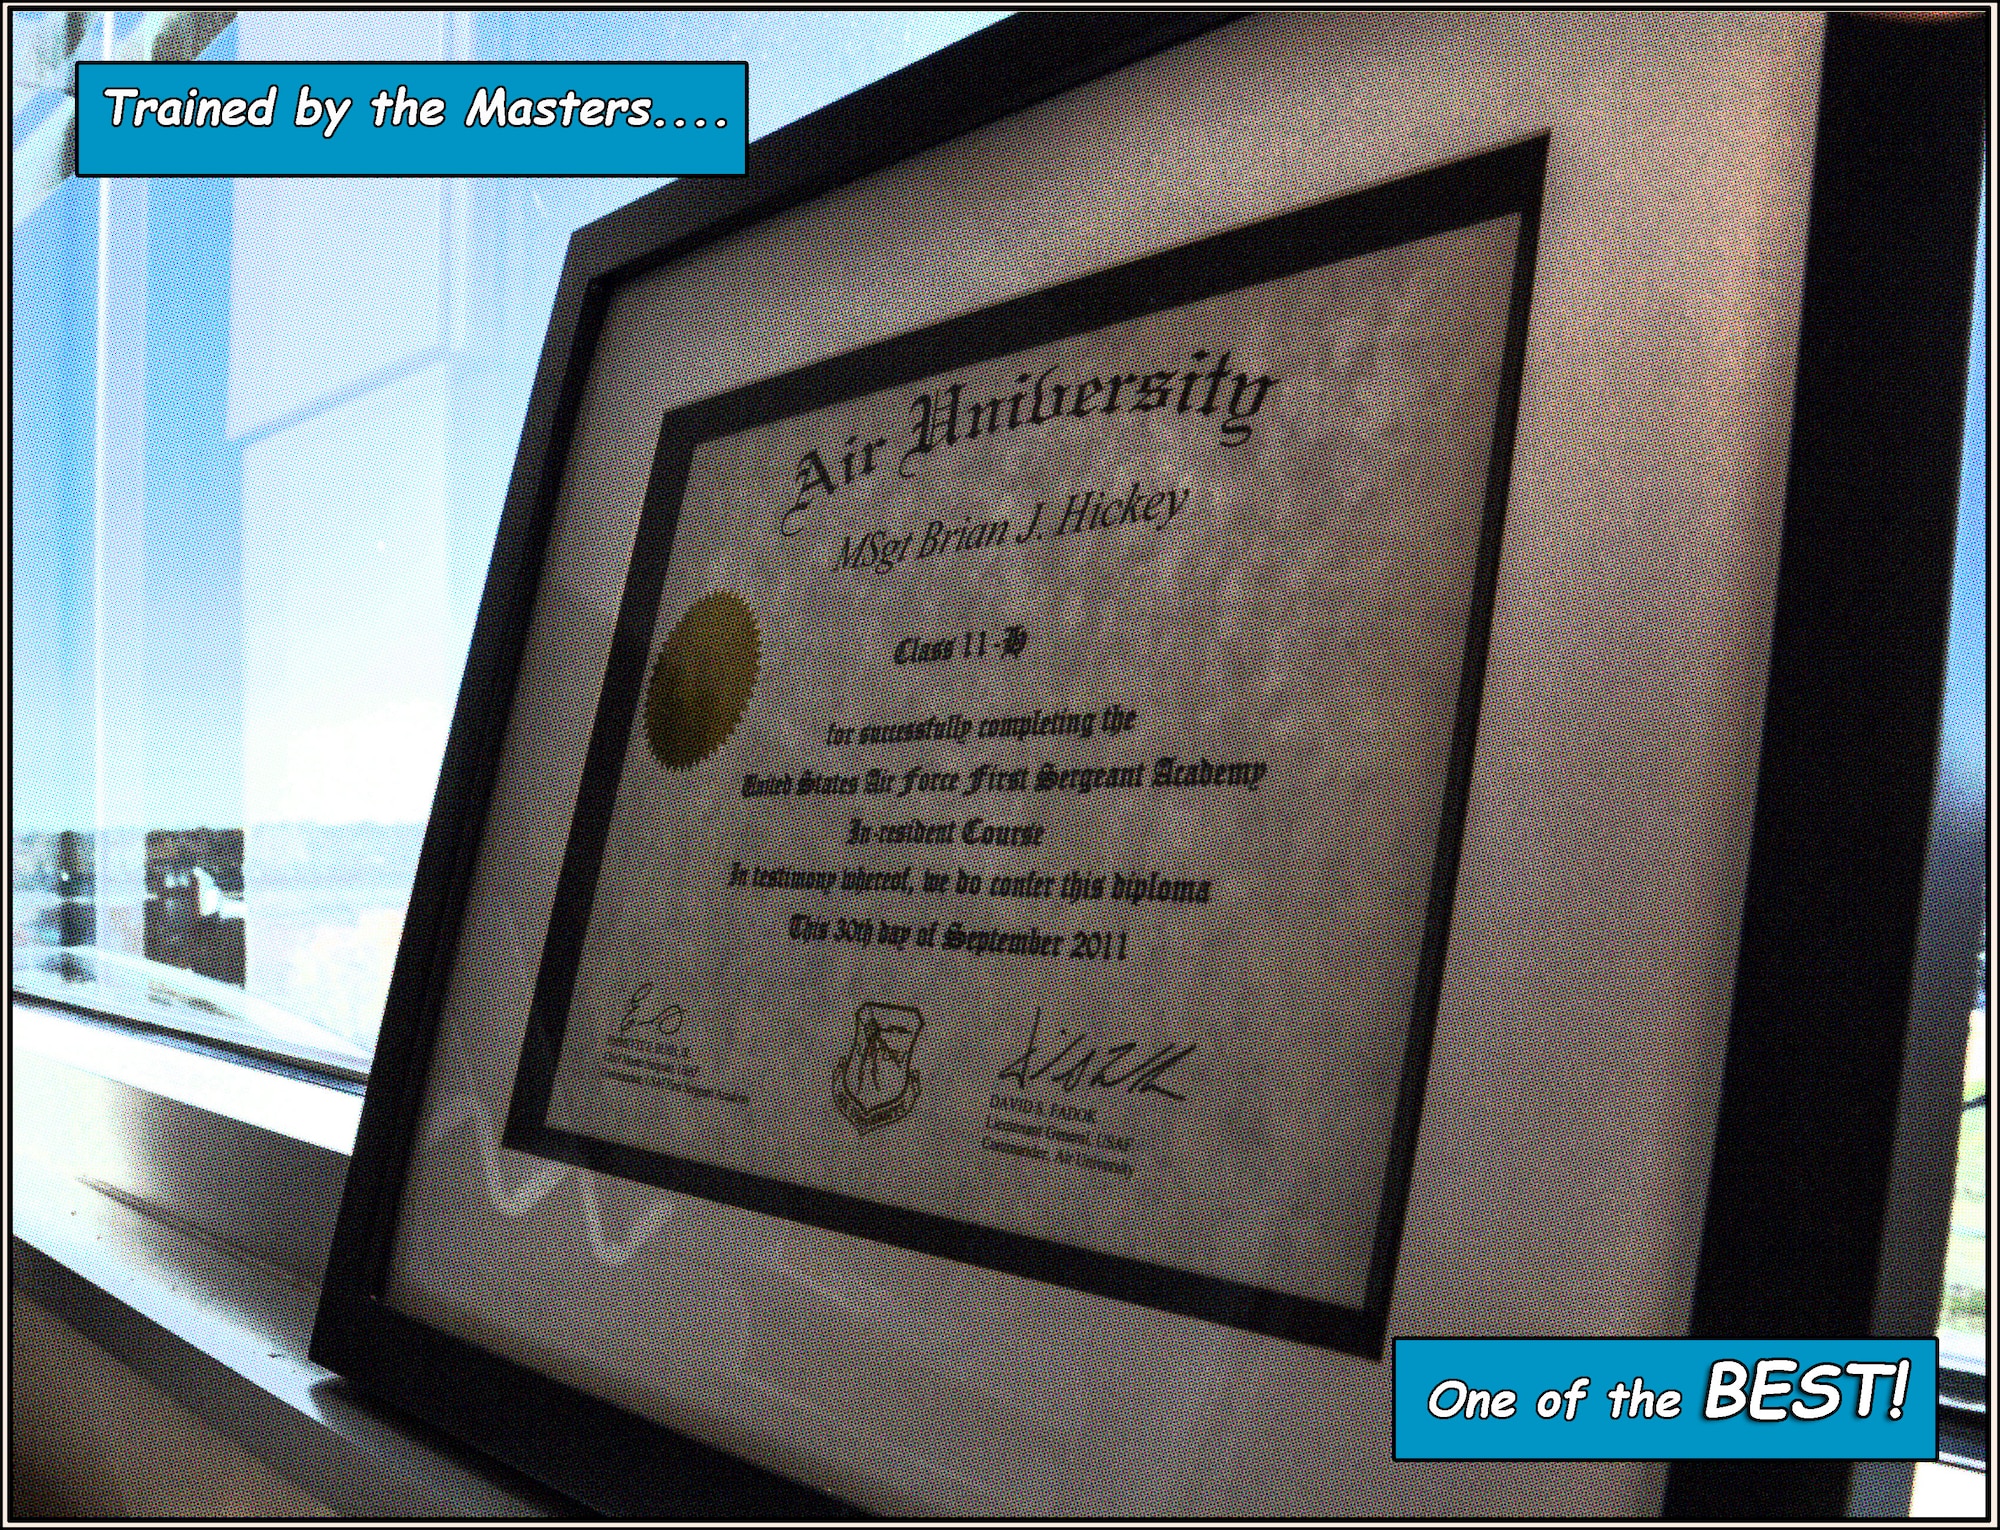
pixel 1836 877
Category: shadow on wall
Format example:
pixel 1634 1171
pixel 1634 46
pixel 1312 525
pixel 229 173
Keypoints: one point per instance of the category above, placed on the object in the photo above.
pixel 92 1439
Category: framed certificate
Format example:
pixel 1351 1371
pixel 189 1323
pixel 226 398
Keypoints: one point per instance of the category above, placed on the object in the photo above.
pixel 1007 902
pixel 1022 810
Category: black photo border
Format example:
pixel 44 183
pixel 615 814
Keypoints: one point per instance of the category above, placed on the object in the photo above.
pixel 1796 1239
pixel 1796 1215
pixel 1499 183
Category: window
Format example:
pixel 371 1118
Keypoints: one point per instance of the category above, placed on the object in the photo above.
pixel 265 429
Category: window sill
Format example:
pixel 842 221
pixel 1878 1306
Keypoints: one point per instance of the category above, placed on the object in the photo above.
pixel 200 1275
pixel 285 1104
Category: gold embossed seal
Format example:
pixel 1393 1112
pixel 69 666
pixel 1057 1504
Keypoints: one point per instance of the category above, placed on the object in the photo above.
pixel 702 680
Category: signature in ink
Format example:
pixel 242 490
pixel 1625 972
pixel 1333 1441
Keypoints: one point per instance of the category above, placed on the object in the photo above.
pixel 1082 1062
pixel 640 1016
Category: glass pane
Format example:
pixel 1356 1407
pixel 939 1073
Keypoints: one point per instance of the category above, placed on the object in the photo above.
pixel 1962 1320
pixel 1962 775
pixel 264 432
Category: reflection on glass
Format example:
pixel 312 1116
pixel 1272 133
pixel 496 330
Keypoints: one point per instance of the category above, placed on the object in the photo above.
pixel 154 993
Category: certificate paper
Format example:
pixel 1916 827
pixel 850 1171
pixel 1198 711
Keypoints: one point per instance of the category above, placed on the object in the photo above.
pixel 1019 820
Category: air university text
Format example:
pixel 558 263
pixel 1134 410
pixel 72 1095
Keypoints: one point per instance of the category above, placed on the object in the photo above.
pixel 947 418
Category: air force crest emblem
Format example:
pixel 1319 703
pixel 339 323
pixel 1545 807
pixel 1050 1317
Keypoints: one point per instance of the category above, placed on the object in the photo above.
pixel 874 1083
